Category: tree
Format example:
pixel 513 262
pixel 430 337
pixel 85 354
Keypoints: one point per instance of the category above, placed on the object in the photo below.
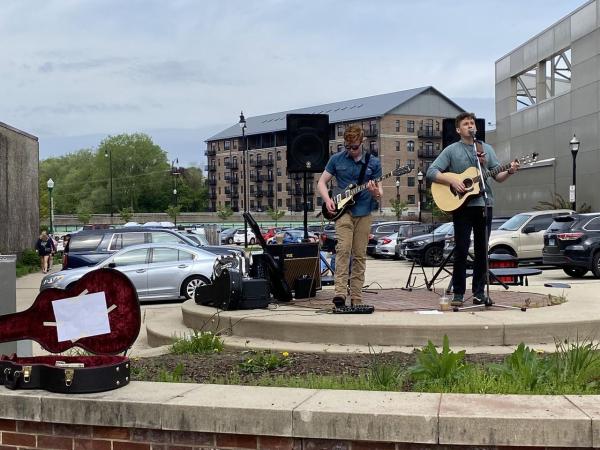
pixel 125 214
pixel 559 202
pixel 173 212
pixel 398 206
pixel 276 214
pixel 84 212
pixel 224 213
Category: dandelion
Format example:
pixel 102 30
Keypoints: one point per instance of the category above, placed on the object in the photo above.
pixel 285 354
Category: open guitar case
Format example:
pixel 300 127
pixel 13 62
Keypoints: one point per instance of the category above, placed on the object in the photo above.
pixel 102 370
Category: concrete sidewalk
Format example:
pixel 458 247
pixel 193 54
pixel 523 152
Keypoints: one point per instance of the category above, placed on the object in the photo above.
pixel 582 297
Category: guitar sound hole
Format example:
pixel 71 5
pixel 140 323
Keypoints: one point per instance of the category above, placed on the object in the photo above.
pixel 468 183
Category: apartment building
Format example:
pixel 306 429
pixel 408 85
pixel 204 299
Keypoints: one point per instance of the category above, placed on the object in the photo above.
pixel 401 128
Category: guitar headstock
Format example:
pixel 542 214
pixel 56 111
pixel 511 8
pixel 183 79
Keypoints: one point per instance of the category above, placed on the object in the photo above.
pixel 528 159
pixel 402 170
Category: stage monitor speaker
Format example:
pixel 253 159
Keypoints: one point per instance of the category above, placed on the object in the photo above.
pixel 298 261
pixel 450 136
pixel 307 142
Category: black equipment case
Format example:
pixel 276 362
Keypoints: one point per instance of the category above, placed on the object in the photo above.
pixel 102 371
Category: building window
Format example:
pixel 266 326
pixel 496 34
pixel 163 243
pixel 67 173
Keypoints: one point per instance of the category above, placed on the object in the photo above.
pixel 429 146
pixel 279 171
pixel 398 163
pixel 340 147
pixel 411 199
pixel 235 143
pixel 397 126
pixel 227 145
pixel 397 146
pixel 340 130
pixel 373 146
pixel 279 187
pixel 279 203
pixel 410 126
pixel 411 163
pixel 278 156
pixel 410 146
pixel 411 181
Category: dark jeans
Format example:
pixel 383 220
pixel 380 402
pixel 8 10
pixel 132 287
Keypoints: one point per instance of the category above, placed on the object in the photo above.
pixel 465 220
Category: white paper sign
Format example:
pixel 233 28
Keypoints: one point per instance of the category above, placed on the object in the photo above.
pixel 82 316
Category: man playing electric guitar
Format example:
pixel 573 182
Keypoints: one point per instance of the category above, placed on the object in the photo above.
pixel 352 166
pixel 456 158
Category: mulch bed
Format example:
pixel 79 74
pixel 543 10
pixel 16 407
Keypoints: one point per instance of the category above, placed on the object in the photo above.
pixel 206 368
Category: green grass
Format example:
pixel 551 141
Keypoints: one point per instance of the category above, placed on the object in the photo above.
pixel 199 342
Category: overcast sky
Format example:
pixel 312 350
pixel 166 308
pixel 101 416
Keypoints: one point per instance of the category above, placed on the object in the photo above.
pixel 73 72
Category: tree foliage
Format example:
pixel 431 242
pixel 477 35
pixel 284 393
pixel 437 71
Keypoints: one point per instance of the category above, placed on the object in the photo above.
pixel 398 206
pixel 559 202
pixel 224 213
pixel 141 179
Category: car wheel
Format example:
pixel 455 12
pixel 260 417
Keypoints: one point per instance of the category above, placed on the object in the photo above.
pixel 575 272
pixel 191 283
pixel 252 241
pixel 433 256
pixel 502 251
pixel 230 240
pixel 596 264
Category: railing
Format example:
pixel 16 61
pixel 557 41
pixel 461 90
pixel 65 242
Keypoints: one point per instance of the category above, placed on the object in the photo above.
pixel 429 133
pixel 430 154
pixel 269 163
pixel 212 167
pixel 212 182
pixel 210 152
pixel 371 132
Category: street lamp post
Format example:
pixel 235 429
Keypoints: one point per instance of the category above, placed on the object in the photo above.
pixel 420 179
pixel 397 199
pixel 50 185
pixel 108 154
pixel 242 124
pixel 175 173
pixel 574 145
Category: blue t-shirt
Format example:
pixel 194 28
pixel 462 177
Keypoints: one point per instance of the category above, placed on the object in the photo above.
pixel 346 171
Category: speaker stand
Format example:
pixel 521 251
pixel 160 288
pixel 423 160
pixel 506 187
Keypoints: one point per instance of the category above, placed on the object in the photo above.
pixel 305 198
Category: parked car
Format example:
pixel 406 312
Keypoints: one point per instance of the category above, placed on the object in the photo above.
pixel 238 236
pixel 293 236
pixel 522 235
pixel 328 238
pixel 226 235
pixel 158 271
pixel 381 229
pixel 89 247
pixel 389 246
pixel 427 248
pixel 497 222
pixel 573 243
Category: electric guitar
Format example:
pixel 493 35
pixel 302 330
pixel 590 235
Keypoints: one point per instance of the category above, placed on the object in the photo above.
pixel 447 199
pixel 345 200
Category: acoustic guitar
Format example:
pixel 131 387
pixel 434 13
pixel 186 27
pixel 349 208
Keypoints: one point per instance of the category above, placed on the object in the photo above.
pixel 345 200
pixel 447 199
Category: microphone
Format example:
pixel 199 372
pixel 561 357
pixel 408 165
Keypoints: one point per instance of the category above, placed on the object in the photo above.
pixel 472 132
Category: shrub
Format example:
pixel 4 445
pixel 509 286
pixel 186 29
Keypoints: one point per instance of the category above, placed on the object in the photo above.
pixel 431 365
pixel 199 342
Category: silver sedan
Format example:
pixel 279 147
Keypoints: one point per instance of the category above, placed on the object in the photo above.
pixel 158 271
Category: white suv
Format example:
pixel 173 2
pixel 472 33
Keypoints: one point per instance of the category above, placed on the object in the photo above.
pixel 523 234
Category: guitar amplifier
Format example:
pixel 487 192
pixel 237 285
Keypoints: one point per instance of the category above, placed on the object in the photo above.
pixel 297 261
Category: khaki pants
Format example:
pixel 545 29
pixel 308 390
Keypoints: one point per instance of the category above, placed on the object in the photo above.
pixel 353 237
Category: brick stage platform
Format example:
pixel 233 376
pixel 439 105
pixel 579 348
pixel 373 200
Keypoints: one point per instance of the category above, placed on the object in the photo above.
pixel 419 299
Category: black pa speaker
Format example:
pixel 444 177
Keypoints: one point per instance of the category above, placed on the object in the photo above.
pixel 450 136
pixel 307 142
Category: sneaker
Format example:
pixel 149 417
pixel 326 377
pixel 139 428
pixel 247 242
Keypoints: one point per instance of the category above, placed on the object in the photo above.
pixel 339 301
pixel 482 299
pixel 457 300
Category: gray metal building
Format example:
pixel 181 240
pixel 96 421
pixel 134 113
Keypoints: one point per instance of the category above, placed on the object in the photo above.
pixel 19 193
pixel 547 90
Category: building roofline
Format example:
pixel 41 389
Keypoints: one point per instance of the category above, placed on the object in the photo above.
pixel 544 30
pixel 16 130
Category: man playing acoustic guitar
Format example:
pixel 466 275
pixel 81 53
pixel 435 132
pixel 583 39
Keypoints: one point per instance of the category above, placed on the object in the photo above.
pixel 456 158
pixel 352 166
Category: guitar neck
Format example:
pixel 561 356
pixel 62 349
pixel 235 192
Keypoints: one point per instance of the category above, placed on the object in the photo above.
pixel 496 171
pixel 362 187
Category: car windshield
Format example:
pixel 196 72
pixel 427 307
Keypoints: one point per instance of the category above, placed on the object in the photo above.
pixel 515 222
pixel 443 228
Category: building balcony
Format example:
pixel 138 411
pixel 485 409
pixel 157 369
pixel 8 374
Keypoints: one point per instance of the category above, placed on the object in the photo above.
pixel 212 196
pixel 270 194
pixel 263 177
pixel 427 133
pixel 231 165
pixel 211 167
pixel 371 132
pixel 258 163
pixel 235 194
pixel 428 154
pixel 235 180
pixel 269 163
pixel 210 152
pixel 253 177
pixel 212 182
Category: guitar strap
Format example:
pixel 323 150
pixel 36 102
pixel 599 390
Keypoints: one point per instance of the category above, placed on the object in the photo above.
pixel 361 176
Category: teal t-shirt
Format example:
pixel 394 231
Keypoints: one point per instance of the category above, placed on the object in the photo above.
pixel 457 158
